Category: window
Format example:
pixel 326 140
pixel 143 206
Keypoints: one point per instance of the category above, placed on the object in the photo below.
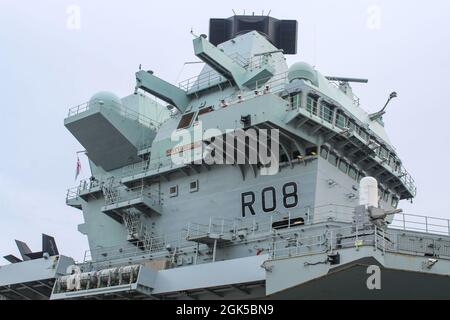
pixel 394 202
pixel 327 113
pixel 363 135
pixel 290 223
pixel 386 196
pixel 173 191
pixel 193 186
pixel 343 166
pixel 341 120
pixel 392 161
pixel 360 176
pixel 353 173
pixel 324 152
pixel 186 120
pixel 352 126
pixel 295 101
pixel 383 153
pixel 333 159
pixel 311 105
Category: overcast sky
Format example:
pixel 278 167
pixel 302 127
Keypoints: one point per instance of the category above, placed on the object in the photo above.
pixel 49 62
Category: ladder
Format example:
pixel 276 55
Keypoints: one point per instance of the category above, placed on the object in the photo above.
pixel 110 192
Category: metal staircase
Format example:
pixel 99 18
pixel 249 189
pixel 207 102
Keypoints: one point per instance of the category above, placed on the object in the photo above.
pixel 137 232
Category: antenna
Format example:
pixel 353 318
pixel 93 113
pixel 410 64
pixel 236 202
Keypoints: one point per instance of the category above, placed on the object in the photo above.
pixel 234 12
pixel 269 12
pixel 342 79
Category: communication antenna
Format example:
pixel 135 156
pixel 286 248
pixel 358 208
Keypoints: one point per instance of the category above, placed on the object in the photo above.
pixel 234 12
pixel 269 12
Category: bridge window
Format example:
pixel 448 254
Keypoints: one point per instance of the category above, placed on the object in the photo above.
pixel 341 120
pixel 343 166
pixel 353 173
pixel 295 100
pixel 311 105
pixel 333 159
pixel 327 113
pixel 383 153
pixel 386 196
pixel 364 135
pixel 352 126
pixel 324 152
pixel 394 202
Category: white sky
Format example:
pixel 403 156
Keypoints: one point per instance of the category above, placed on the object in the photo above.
pixel 45 68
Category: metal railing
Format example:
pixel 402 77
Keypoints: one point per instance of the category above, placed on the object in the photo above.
pixel 418 223
pixel 115 107
pixel 84 186
pixel 288 242
pixel 120 194
pixel 212 77
pixel 216 226
pixel 156 165
pixel 350 237
pixel 323 112
pixel 356 100
pixel 203 80
pixel 157 246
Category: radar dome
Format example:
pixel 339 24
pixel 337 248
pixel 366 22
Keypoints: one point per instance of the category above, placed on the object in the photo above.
pixel 105 97
pixel 302 71
pixel 368 192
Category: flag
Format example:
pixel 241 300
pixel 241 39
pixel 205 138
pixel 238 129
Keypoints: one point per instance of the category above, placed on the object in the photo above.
pixel 78 168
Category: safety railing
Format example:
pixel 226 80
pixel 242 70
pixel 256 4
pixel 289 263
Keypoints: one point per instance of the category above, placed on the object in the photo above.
pixel 403 221
pixel 288 242
pixel 384 240
pixel 84 186
pixel 156 165
pixel 356 100
pixel 204 80
pixel 157 246
pixel 326 114
pixel 115 107
pixel 120 194
pixel 216 226
pixel 239 59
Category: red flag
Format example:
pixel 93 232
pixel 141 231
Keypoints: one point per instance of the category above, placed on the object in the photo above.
pixel 78 169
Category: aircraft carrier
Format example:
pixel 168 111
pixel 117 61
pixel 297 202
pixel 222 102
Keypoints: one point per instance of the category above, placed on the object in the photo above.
pixel 317 218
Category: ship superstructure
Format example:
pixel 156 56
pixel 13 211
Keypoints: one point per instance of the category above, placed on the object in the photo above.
pixel 160 229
